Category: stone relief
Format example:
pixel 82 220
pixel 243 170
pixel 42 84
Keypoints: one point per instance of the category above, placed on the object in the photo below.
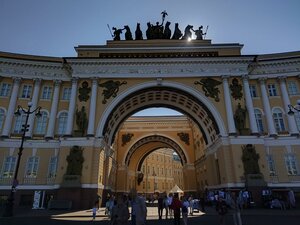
pixel 111 88
pixel 84 92
pixel 209 86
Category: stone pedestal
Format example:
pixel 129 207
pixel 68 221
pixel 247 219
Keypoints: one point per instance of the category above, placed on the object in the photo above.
pixel 255 183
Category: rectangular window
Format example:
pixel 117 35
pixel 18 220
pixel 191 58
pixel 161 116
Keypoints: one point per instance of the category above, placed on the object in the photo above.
pixel 32 167
pixel 271 165
pixel 292 88
pixel 9 167
pixel 5 90
pixel 291 164
pixel 297 118
pixel 47 92
pixel 52 167
pixel 26 92
pixel 19 124
pixel 66 93
pixel 253 91
pixel 272 90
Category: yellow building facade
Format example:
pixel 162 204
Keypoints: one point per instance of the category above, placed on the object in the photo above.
pixel 78 148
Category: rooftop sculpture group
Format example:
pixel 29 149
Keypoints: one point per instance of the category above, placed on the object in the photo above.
pixel 159 31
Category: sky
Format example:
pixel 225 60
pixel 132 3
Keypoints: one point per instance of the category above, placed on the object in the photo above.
pixel 55 27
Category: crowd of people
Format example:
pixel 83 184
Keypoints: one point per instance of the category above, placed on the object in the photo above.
pixel 122 208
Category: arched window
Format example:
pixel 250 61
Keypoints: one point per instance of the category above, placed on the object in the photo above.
pixel 41 123
pixel 19 122
pixel 2 117
pixel 62 123
pixel 259 120
pixel 278 120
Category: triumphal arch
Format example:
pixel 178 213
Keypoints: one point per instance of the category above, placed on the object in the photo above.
pixel 236 132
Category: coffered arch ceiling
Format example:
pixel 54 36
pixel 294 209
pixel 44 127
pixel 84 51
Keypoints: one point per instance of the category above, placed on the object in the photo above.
pixel 162 96
pixel 152 143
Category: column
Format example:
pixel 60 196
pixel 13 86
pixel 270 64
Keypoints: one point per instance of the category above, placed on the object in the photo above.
pixel 228 105
pixel 34 101
pixel 11 108
pixel 293 130
pixel 71 110
pixel 249 104
pixel 267 108
pixel 53 112
pixel 91 126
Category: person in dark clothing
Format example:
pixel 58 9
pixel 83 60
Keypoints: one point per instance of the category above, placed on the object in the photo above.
pixel 160 206
pixel 176 206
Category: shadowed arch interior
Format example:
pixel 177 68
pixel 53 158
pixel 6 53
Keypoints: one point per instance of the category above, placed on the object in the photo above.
pixel 163 97
pixel 163 142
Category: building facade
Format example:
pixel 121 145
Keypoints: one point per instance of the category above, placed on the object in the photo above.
pixel 237 106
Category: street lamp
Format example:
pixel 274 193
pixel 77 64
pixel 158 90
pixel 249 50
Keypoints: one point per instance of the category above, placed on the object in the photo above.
pixel 8 212
pixel 294 108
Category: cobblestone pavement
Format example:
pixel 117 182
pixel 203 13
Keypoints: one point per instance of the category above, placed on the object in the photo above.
pixel 54 217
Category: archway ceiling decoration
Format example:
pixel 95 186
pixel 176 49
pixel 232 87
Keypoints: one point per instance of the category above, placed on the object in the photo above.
pixel 163 97
pixel 160 142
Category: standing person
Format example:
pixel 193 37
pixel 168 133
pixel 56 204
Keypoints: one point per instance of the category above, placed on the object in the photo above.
pixel 95 209
pixel 170 200
pixel 185 206
pixel 166 205
pixel 120 212
pixel 236 210
pixel 221 208
pixel 138 209
pixel 160 206
pixel 191 204
pixel 176 206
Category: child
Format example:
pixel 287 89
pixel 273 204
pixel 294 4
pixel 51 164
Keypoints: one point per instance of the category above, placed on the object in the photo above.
pixel 94 210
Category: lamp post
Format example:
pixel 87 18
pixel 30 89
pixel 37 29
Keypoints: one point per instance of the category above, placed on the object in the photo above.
pixel 154 182
pixel 292 108
pixel 8 212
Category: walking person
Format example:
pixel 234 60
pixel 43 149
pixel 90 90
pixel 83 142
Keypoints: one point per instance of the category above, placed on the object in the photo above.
pixel 170 200
pixel 185 206
pixel 176 207
pixel 138 209
pixel 160 206
pixel 95 209
pixel 236 210
pixel 166 205
pixel 120 212
pixel 221 208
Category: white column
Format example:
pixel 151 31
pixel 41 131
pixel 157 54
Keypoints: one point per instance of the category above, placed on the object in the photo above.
pixel 267 108
pixel 34 101
pixel 91 126
pixel 293 130
pixel 11 108
pixel 72 106
pixel 249 104
pixel 228 105
pixel 53 112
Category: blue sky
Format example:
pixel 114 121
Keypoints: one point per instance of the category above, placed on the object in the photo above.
pixel 54 27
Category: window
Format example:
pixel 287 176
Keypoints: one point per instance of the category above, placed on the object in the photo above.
pixel 66 93
pixel 9 167
pixel 26 92
pixel 5 90
pixel 291 164
pixel 253 91
pixel 41 123
pixel 272 90
pixel 52 167
pixel 292 88
pixel 271 165
pixel 32 167
pixel 62 123
pixel 19 122
pixel 2 117
pixel 259 120
pixel 47 92
pixel 278 120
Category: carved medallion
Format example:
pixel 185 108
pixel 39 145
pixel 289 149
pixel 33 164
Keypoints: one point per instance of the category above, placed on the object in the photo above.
pixel 84 92
pixel 111 88
pixel 236 89
pixel 209 86
pixel 184 137
pixel 126 138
